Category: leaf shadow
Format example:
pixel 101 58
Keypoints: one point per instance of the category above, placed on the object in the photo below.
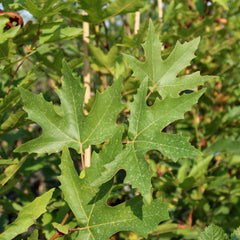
pixel 136 205
pixel 103 191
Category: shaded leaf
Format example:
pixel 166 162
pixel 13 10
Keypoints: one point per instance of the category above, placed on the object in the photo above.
pixel 61 228
pixel 101 10
pixel 96 219
pixel 27 216
pixel 200 169
pixel 13 99
pixel 11 170
pixel 15 120
pixel 138 38
pixel 107 61
pixel 224 145
pixel 223 3
pixel 34 235
pixel 75 129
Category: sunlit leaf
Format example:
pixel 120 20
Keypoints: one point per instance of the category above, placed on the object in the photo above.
pixel 74 128
pixel 213 232
pixel 162 74
pixel 145 126
pixel 96 219
pixel 27 216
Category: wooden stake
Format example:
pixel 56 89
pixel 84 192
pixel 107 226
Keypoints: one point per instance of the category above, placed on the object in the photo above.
pixel 87 155
pixel 137 22
pixel 160 10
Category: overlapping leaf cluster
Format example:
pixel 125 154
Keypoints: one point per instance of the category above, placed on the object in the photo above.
pixel 68 127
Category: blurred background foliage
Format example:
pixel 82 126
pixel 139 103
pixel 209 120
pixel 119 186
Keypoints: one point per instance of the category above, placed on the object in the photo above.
pixel 199 191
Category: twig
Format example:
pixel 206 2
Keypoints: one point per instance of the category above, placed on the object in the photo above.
pixel 58 234
pixel 152 90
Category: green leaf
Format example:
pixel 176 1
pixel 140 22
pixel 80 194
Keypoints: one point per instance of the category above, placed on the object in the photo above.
pixel 236 234
pixel 11 170
pixel 5 35
pixel 54 34
pixel 96 219
pixel 75 129
pixel 7 50
pixel 9 102
pixel 61 228
pixel 145 126
pixel 6 162
pixel 213 232
pixel 27 216
pixel 13 99
pixel 223 3
pixel 15 120
pixel 224 145
pixel 101 10
pixel 34 235
pixel 200 169
pixel 106 61
pixel 162 74
pixel 112 148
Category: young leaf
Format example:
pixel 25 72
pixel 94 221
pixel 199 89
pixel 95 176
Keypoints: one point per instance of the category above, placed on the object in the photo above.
pixel 61 228
pixel 75 129
pixel 106 61
pixel 213 232
pixel 162 73
pixel 96 219
pixel 145 126
pixel 27 216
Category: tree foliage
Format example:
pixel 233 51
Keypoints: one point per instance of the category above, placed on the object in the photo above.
pixel 162 120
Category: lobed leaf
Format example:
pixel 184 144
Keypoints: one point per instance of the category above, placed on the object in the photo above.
pixel 74 128
pixel 145 126
pixel 96 219
pixel 107 61
pixel 162 74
